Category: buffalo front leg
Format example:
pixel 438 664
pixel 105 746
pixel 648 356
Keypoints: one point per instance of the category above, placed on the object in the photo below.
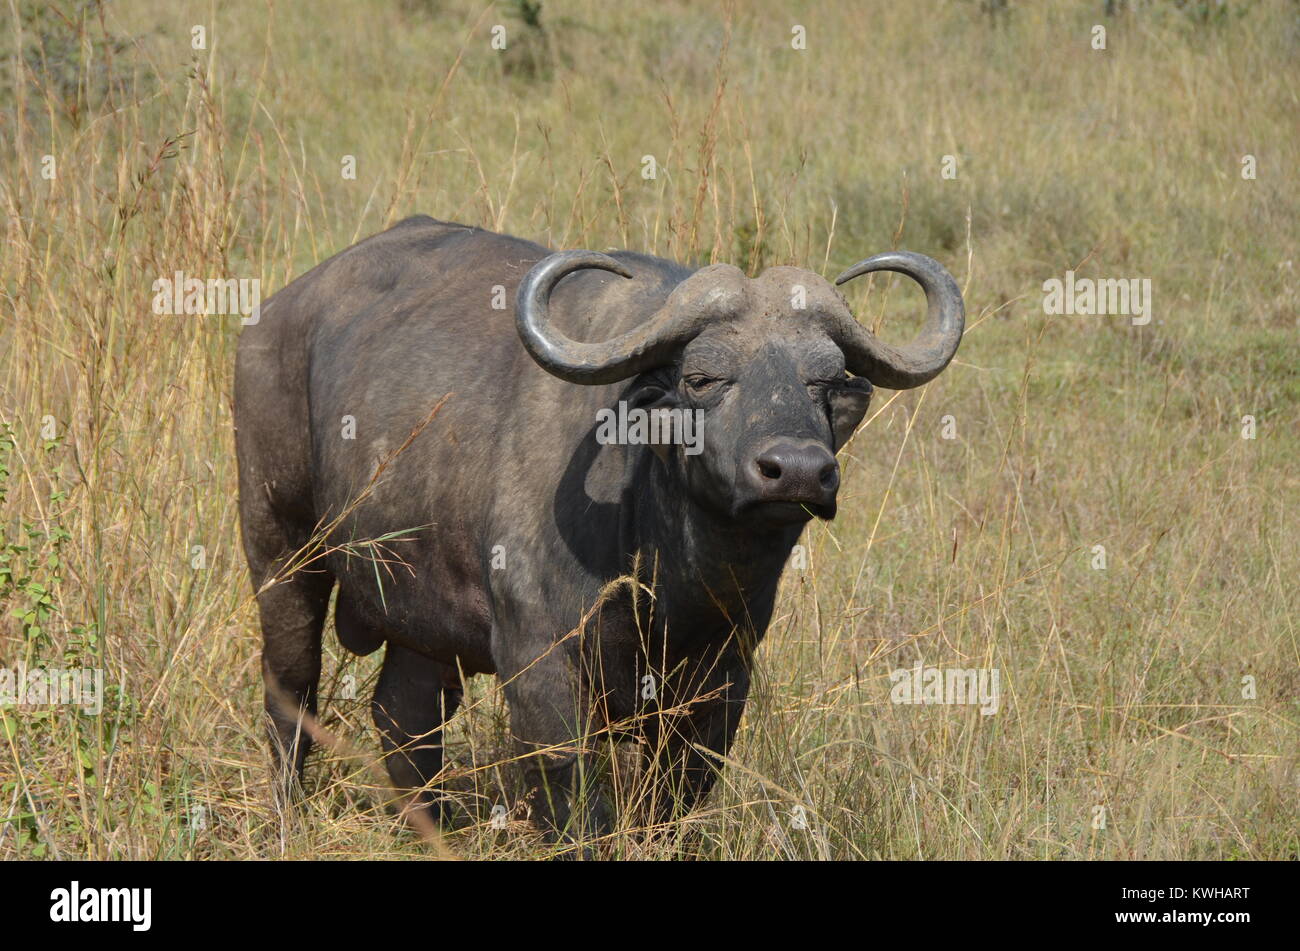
pixel 563 755
pixel 678 745
pixel 415 697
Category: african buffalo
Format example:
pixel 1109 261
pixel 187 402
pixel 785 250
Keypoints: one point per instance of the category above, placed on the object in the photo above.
pixel 617 588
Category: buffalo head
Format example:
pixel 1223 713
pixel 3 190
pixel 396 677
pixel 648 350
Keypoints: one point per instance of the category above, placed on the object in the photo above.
pixel 778 366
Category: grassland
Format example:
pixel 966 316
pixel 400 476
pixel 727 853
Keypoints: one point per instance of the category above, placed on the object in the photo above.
pixel 1126 729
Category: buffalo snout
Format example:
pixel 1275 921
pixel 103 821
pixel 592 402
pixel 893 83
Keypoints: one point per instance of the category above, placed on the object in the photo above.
pixel 791 475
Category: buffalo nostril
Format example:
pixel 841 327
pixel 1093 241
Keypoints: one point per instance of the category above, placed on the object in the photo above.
pixel 829 475
pixel 770 468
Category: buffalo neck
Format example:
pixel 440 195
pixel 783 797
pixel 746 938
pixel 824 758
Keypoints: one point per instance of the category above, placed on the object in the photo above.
pixel 721 573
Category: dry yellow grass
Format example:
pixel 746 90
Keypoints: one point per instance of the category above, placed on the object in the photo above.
pixel 1123 687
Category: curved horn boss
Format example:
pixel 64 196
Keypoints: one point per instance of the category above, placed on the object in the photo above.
pixel 901 368
pixel 643 348
pixel 652 344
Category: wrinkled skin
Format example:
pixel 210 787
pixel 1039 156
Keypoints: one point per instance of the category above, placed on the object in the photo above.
pixel 519 516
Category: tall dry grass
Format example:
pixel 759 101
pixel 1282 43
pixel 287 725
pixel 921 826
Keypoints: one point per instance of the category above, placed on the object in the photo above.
pixel 1124 731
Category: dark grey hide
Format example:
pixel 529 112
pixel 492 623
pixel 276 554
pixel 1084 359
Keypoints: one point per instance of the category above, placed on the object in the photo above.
pixel 517 519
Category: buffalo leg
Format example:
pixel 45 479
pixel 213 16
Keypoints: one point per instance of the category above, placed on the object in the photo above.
pixel 683 775
pixel 292 613
pixel 415 697
pixel 563 769
pixel 569 796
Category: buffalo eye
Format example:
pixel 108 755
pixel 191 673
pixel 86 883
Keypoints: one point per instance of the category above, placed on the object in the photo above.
pixel 700 384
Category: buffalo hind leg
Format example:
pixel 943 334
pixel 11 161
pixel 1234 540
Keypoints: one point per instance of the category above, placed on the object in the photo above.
pixel 292 614
pixel 416 695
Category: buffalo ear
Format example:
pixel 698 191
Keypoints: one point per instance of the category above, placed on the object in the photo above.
pixel 848 404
